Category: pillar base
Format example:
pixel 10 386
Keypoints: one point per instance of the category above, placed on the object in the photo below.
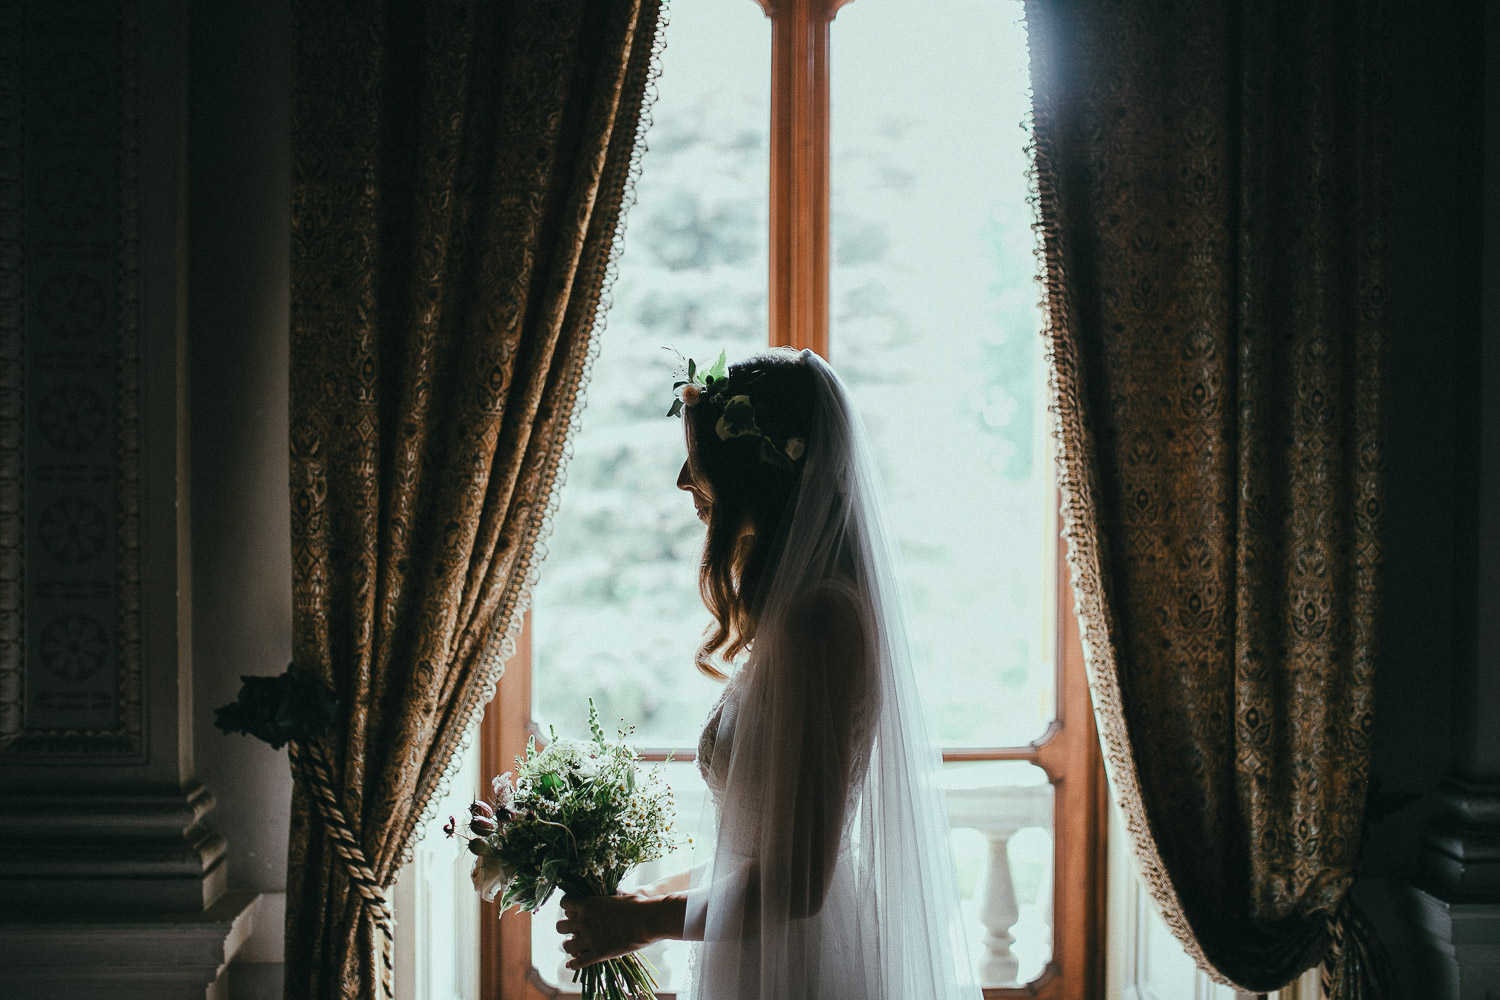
pixel 117 854
pixel 1462 856
pixel 1461 957
pixel 1454 906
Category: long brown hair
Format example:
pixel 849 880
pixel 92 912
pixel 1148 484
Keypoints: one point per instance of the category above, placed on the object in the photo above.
pixel 748 495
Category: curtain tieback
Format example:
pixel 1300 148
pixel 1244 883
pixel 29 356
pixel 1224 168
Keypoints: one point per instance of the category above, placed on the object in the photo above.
pixel 311 765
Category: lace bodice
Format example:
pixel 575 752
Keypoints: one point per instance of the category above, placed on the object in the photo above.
pixel 716 739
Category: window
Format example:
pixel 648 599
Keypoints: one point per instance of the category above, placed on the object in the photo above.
pixel 895 222
pixel 437 911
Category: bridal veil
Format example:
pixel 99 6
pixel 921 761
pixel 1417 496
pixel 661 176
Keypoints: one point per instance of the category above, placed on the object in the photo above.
pixel 830 874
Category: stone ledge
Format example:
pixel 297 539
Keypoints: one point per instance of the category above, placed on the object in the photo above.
pixel 1460 922
pixel 151 814
pixel 267 942
pixel 168 956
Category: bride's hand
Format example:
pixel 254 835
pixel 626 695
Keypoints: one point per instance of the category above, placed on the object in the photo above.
pixel 605 927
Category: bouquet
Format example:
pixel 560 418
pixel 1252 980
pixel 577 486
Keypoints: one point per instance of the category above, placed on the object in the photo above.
pixel 578 817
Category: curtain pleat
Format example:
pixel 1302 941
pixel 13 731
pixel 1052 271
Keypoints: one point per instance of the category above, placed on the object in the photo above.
pixel 459 172
pixel 1213 214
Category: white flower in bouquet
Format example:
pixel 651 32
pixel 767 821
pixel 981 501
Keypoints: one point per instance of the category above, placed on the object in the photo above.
pixel 574 757
pixel 491 876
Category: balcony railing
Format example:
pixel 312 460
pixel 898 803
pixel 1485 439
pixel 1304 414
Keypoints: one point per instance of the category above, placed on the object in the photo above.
pixel 1007 938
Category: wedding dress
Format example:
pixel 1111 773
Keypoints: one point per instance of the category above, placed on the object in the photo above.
pixel 829 874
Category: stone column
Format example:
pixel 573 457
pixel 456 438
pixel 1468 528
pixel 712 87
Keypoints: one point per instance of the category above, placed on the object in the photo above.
pixel 1456 904
pixel 112 882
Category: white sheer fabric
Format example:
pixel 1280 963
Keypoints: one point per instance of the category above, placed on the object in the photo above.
pixel 830 874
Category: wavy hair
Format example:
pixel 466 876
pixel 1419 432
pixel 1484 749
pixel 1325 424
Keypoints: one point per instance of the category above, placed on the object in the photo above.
pixel 747 496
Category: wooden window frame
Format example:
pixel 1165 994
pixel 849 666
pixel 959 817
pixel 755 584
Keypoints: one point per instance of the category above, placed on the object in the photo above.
pixel 1068 751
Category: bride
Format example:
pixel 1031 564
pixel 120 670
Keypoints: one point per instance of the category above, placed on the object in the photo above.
pixel 829 875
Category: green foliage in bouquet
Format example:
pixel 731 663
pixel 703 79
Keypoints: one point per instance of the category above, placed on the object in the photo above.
pixel 578 818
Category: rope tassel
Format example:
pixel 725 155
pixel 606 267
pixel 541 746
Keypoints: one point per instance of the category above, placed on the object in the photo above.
pixel 311 765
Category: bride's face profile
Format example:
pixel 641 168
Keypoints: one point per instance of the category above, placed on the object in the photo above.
pixel 702 499
pixel 685 481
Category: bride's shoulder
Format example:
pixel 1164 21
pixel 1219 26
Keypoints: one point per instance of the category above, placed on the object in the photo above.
pixel 830 594
pixel 831 636
pixel 829 609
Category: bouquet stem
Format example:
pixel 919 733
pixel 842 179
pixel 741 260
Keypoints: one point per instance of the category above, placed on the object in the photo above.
pixel 625 978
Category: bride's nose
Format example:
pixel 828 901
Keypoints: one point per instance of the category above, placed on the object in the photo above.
pixel 684 477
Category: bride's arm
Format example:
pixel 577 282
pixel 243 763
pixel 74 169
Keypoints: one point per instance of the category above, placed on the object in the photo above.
pixel 676 882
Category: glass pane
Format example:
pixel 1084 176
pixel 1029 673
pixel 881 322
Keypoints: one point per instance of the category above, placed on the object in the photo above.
pixel 437 909
pixel 617 612
pixel 694 813
pixel 1000 813
pixel 934 326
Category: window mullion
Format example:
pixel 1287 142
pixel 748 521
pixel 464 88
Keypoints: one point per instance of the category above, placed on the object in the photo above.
pixel 799 172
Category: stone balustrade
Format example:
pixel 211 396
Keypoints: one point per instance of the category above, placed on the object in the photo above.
pixel 998 812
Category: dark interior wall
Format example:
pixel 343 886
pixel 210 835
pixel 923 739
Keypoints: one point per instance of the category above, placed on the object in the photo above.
pixel 239 155
pixel 1431 512
pixel 1434 301
pixel 1435 311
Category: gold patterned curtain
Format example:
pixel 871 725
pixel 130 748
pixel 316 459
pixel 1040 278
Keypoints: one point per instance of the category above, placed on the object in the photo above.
pixel 459 168
pixel 1214 216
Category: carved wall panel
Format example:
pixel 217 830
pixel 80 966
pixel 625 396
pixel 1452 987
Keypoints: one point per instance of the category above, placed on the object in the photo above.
pixel 70 664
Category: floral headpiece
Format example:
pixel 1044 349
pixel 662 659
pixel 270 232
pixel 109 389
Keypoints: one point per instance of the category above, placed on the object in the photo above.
pixel 738 419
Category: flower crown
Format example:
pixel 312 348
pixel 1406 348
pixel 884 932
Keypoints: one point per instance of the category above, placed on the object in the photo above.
pixel 738 419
